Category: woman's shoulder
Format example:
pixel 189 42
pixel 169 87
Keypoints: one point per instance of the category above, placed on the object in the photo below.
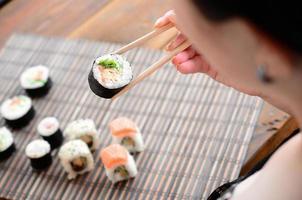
pixel 282 174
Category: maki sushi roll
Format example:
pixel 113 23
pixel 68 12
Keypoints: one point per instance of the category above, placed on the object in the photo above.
pixel 17 111
pixel 49 130
pixel 39 153
pixel 7 146
pixel 109 75
pixel 36 81
pixel 76 158
pixel 126 133
pixel 85 130
pixel 119 164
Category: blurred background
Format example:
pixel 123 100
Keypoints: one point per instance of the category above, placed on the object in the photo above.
pixel 109 20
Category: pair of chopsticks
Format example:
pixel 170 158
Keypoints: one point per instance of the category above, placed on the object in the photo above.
pixel 154 67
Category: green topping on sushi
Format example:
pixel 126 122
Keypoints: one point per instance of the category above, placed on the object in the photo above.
pixel 33 82
pixel 109 63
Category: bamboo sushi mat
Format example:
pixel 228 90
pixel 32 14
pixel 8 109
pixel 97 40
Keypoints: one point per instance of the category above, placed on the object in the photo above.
pixel 196 131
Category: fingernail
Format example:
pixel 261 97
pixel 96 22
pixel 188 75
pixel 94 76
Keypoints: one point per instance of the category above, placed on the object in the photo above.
pixel 158 22
pixel 173 61
pixel 168 47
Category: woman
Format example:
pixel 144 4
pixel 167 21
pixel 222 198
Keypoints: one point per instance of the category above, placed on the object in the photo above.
pixel 256 48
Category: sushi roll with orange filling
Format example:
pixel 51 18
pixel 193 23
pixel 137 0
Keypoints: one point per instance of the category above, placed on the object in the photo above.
pixel 17 111
pixel 49 130
pixel 36 81
pixel 119 164
pixel 109 75
pixel 125 132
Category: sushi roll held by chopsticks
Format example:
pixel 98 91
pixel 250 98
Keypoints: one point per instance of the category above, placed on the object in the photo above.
pixel 109 75
pixel 76 158
pixel 119 164
pixel 85 130
pixel 17 111
pixel 7 146
pixel 126 133
pixel 36 81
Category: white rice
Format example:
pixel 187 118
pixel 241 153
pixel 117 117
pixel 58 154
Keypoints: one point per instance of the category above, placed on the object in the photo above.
pixel 37 149
pixel 6 139
pixel 81 127
pixel 27 77
pixel 15 111
pixel 74 149
pixel 125 74
pixel 138 140
pixel 48 126
pixel 130 167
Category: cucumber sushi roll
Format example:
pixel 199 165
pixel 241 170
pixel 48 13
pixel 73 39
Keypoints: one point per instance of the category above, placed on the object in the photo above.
pixel 49 130
pixel 126 133
pixel 109 75
pixel 7 146
pixel 119 164
pixel 76 158
pixel 36 81
pixel 39 153
pixel 17 111
pixel 85 130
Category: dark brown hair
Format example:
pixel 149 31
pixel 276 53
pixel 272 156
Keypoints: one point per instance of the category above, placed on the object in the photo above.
pixel 282 20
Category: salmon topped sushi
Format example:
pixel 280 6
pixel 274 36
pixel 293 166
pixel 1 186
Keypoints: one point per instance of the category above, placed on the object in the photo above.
pixel 126 133
pixel 119 164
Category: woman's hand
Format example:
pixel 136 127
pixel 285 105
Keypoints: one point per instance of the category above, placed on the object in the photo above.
pixel 190 61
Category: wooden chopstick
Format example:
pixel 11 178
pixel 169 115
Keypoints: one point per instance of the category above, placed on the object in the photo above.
pixel 154 67
pixel 143 39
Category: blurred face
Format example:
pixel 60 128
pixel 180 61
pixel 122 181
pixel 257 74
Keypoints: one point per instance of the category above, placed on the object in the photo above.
pixel 229 47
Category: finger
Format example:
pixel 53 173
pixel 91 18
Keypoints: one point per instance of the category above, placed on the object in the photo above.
pixel 184 56
pixel 176 42
pixel 169 17
pixel 194 65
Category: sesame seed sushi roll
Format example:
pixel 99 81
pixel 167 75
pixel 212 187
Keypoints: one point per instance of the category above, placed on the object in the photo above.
pixel 39 153
pixel 36 81
pixel 76 158
pixel 119 164
pixel 17 111
pixel 109 75
pixel 125 132
pixel 85 130
pixel 49 130
pixel 7 146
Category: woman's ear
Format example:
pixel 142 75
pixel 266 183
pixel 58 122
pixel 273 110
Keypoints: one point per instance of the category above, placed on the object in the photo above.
pixel 277 59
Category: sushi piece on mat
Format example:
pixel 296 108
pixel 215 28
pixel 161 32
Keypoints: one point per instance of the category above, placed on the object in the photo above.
pixel 39 153
pixel 17 111
pixel 36 81
pixel 7 146
pixel 76 158
pixel 49 130
pixel 109 75
pixel 125 132
pixel 85 130
pixel 119 164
